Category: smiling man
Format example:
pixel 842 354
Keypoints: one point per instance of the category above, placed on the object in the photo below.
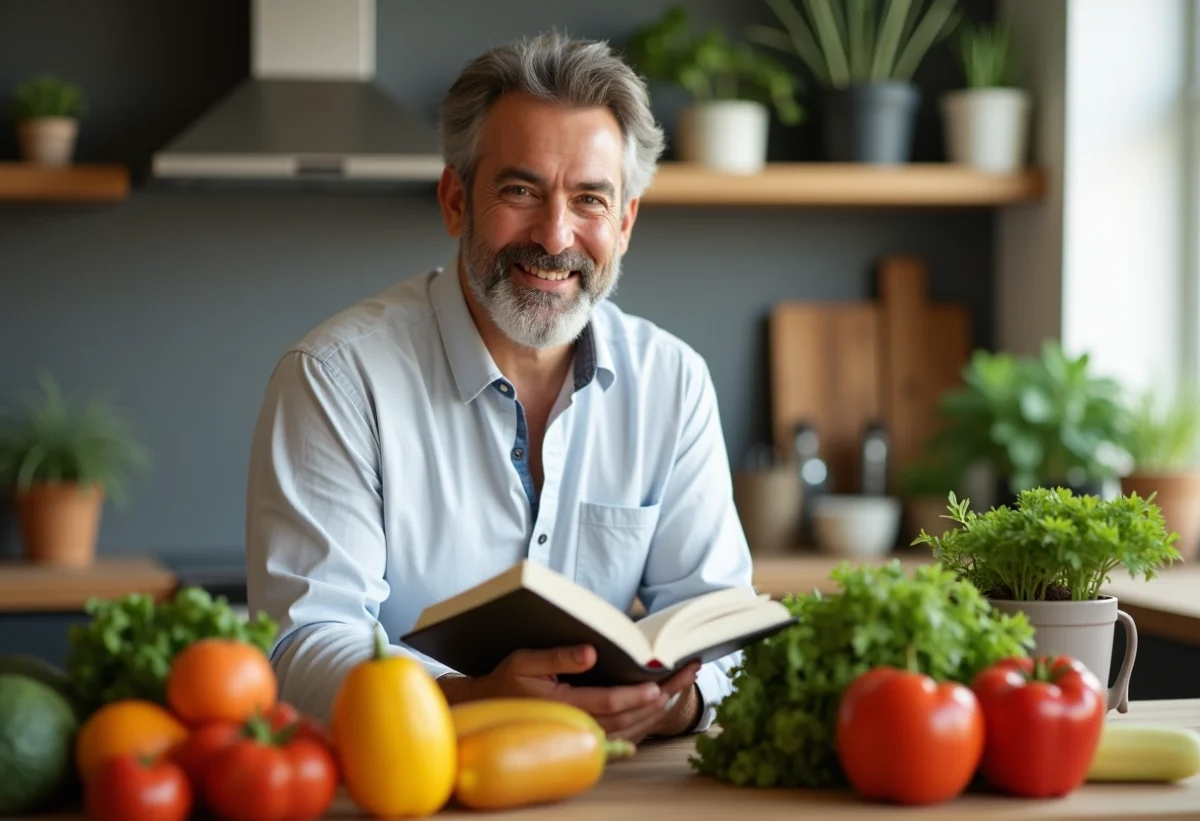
pixel 501 408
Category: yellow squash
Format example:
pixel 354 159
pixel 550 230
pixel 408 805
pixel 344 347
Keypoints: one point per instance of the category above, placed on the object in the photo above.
pixel 472 716
pixel 1134 751
pixel 530 762
pixel 394 737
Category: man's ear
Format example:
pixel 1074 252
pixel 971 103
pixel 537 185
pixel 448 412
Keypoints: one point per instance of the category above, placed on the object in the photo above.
pixel 452 195
pixel 628 218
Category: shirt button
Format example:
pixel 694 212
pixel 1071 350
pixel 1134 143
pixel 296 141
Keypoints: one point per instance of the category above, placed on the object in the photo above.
pixel 503 388
pixel 542 539
pixel 518 453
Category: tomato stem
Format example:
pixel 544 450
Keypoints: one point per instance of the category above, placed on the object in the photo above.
pixel 1041 670
pixel 618 748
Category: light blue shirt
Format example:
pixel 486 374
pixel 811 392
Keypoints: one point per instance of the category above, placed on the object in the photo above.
pixel 389 471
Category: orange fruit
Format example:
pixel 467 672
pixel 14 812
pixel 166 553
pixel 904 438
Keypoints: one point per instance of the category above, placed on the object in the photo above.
pixel 129 726
pixel 221 680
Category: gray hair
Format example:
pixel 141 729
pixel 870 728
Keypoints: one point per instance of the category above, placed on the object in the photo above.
pixel 553 67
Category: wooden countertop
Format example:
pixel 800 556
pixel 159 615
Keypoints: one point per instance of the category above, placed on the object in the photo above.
pixel 30 588
pixel 659 783
pixel 1167 606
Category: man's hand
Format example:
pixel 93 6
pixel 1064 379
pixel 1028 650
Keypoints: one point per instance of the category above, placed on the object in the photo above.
pixel 631 712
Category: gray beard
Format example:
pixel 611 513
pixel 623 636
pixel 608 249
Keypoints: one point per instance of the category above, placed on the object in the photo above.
pixel 527 316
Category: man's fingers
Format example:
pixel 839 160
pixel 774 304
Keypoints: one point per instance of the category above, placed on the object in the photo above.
pixel 681 679
pixel 618 725
pixel 605 701
pixel 558 661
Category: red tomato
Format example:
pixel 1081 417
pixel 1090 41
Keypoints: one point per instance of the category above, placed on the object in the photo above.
pixel 285 714
pixel 258 779
pixel 200 747
pixel 903 737
pixel 1044 718
pixel 131 788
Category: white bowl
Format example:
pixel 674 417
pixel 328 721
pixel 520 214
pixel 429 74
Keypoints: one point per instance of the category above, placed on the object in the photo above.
pixel 856 526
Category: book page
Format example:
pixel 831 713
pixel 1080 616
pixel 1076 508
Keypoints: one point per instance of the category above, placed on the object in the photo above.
pixel 657 627
pixel 687 638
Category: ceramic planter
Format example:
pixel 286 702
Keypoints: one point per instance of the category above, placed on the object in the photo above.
pixel 59 523
pixel 1083 630
pixel 871 123
pixel 987 128
pixel 48 140
pixel 725 135
pixel 1178 495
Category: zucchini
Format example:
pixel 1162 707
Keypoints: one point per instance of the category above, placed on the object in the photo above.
pixel 1132 751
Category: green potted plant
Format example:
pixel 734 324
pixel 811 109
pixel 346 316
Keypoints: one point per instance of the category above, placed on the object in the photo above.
pixel 47 111
pixel 923 486
pixel 987 122
pixel 1049 556
pixel 731 85
pixel 1163 441
pixel 865 59
pixel 61 463
pixel 1035 420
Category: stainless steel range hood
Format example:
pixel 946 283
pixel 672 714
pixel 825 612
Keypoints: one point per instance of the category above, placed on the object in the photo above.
pixel 309 110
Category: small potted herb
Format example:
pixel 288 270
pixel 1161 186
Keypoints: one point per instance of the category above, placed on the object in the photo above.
pixel 1163 441
pixel 47 111
pixel 732 86
pixel 987 122
pixel 1049 556
pixel 61 463
pixel 864 55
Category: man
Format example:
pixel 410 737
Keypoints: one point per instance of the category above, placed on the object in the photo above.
pixel 501 409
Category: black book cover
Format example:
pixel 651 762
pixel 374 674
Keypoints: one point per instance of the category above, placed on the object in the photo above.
pixel 476 641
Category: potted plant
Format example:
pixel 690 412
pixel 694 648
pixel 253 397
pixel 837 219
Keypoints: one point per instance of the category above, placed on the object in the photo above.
pixel 1163 441
pixel 47 111
pixel 731 84
pixel 1048 420
pixel 865 61
pixel 923 486
pixel 61 463
pixel 1049 556
pixel 986 123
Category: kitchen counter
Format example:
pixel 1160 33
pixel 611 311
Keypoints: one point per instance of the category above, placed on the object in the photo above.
pixel 31 588
pixel 659 783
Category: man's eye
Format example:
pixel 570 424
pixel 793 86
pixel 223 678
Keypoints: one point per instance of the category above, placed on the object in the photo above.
pixel 588 199
pixel 518 190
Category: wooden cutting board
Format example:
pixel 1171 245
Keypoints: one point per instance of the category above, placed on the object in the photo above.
pixel 839 366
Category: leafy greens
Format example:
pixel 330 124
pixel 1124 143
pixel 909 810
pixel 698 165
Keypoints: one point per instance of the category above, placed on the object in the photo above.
pixel 777 726
pixel 126 649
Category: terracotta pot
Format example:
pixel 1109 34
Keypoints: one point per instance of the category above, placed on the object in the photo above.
pixel 60 523
pixel 48 140
pixel 1083 630
pixel 1179 498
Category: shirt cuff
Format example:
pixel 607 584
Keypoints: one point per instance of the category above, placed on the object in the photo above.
pixel 714 685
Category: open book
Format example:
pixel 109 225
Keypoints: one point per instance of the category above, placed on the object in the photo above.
pixel 533 607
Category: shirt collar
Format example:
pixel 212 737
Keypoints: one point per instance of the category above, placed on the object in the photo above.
pixel 472 363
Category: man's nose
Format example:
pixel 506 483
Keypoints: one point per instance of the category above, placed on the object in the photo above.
pixel 553 230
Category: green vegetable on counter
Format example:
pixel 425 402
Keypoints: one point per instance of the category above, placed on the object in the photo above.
pixel 126 649
pixel 777 726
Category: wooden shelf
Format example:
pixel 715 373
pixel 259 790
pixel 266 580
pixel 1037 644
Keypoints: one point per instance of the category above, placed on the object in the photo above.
pixel 914 184
pixel 26 182
pixel 28 588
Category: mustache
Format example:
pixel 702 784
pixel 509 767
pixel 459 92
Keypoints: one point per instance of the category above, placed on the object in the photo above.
pixel 532 255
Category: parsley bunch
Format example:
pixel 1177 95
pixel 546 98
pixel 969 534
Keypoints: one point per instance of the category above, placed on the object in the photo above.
pixel 777 728
pixel 1054 544
pixel 126 649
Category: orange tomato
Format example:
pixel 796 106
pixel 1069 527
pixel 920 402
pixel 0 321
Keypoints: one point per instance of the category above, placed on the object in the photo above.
pixel 221 680
pixel 129 726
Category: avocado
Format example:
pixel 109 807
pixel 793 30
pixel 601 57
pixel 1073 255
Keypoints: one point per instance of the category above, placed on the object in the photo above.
pixel 37 733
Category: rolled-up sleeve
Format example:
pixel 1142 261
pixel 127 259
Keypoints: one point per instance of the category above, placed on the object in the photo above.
pixel 699 545
pixel 315 543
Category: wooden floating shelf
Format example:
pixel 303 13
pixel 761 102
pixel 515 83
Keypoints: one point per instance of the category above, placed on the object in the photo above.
pixel 836 184
pixel 27 182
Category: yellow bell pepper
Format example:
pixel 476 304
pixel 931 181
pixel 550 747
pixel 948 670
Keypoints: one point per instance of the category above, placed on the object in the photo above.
pixel 394 737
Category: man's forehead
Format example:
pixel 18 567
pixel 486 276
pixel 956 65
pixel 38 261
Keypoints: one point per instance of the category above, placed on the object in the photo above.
pixel 545 137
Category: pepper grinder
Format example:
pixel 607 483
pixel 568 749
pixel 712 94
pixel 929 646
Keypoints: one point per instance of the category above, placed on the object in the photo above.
pixel 875 449
pixel 814 474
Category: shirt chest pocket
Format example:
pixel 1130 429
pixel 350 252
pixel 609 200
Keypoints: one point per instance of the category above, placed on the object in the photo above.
pixel 613 544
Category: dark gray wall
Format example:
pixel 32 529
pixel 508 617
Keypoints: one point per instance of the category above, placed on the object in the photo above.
pixel 178 304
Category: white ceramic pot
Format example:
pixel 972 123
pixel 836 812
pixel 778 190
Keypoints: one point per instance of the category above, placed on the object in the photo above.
pixel 725 135
pixel 1082 630
pixel 987 128
pixel 48 140
pixel 855 526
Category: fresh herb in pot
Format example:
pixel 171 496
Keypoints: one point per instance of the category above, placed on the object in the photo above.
pixel 127 647
pixel 777 726
pixel 1053 545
